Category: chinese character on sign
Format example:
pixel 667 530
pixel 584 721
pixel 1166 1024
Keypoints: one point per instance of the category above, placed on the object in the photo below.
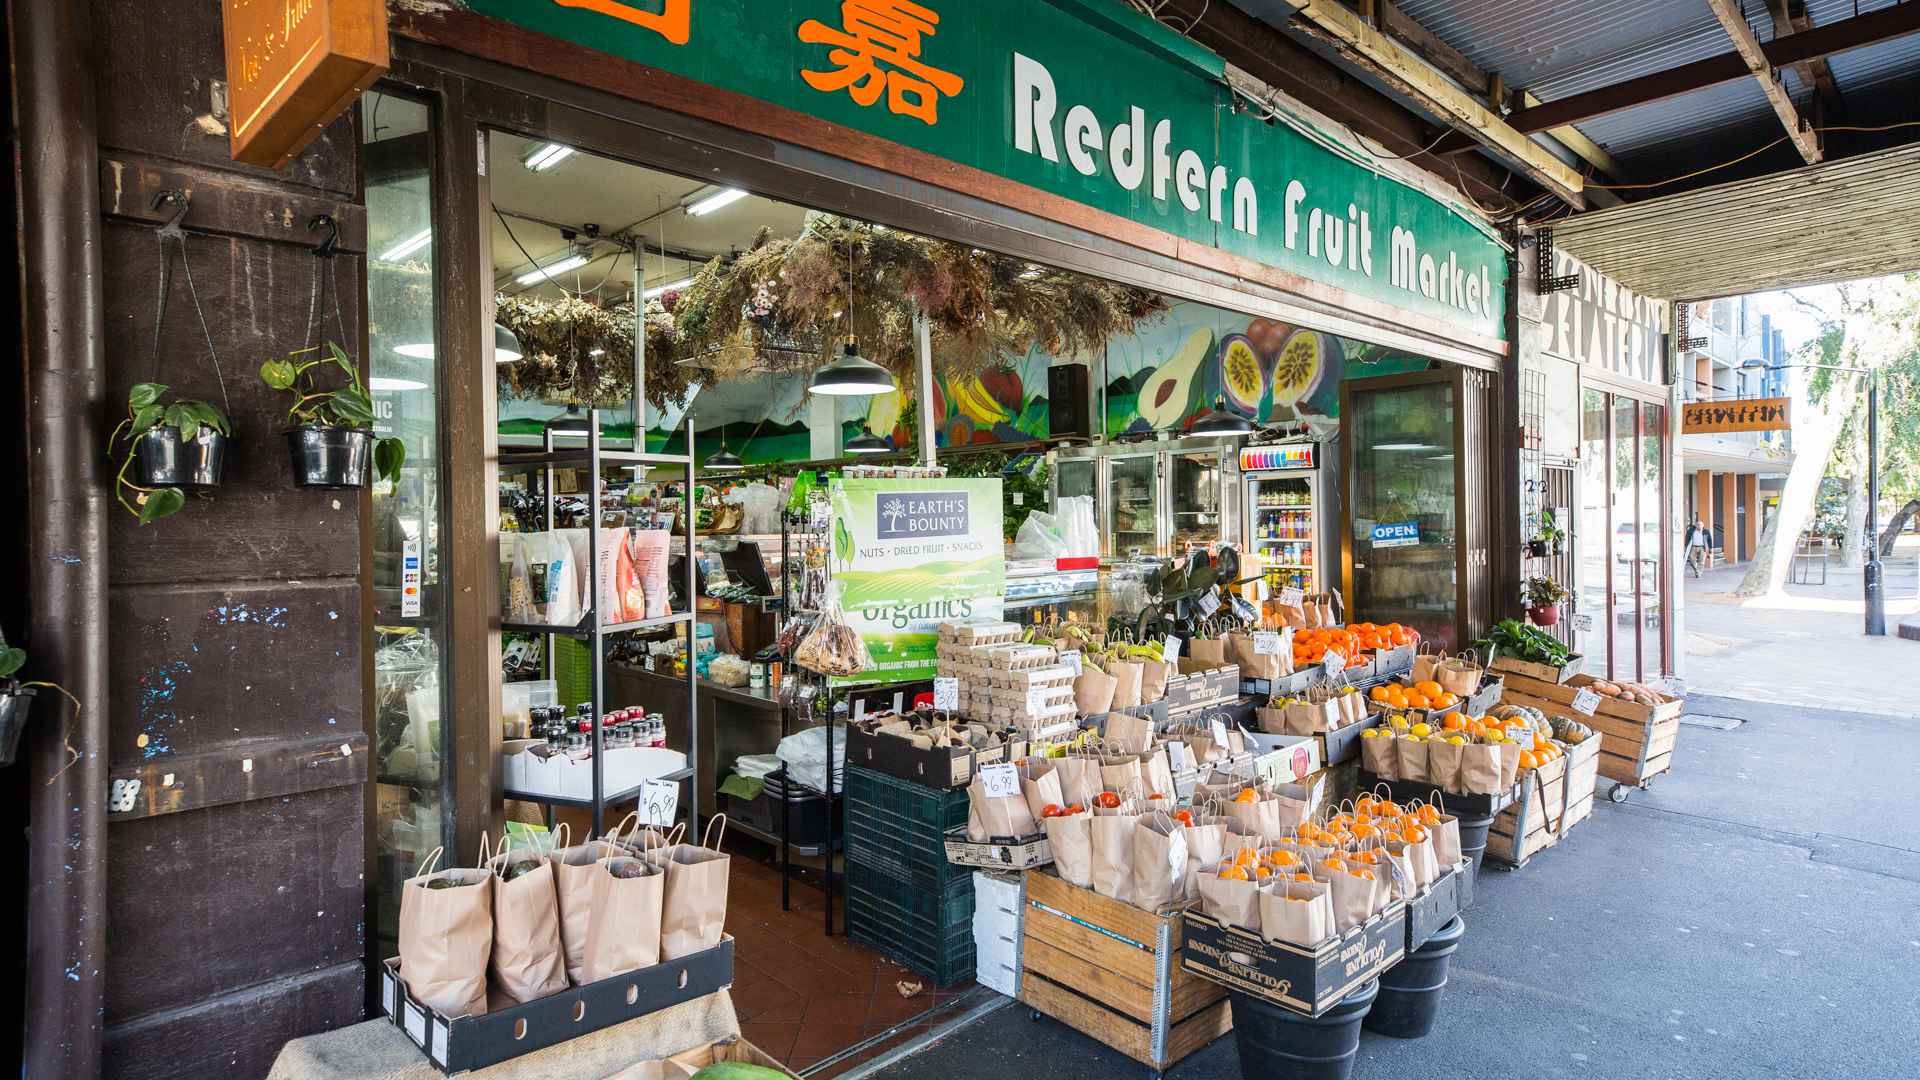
pixel 880 50
pixel 673 21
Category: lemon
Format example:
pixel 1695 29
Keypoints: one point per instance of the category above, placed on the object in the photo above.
pixel 1456 740
pixel 1423 730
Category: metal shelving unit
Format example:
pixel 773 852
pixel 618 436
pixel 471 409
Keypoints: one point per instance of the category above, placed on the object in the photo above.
pixel 593 628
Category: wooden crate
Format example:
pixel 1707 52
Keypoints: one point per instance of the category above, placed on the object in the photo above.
pixel 1508 665
pixel 1112 971
pixel 1639 738
pixel 1553 799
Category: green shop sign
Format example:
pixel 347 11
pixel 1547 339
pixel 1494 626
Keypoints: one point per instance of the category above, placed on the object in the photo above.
pixel 1080 98
pixel 909 555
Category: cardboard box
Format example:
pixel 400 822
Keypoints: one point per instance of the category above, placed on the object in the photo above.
pixel 1435 907
pixel 735 1049
pixel 999 853
pixel 1343 744
pixel 938 767
pixel 1306 981
pixel 1282 759
pixel 458 1044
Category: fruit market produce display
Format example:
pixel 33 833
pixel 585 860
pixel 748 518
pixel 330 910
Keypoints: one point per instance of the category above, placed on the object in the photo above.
pixel 1312 644
pixel 1475 755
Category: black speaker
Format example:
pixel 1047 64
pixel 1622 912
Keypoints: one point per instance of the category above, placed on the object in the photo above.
pixel 1068 411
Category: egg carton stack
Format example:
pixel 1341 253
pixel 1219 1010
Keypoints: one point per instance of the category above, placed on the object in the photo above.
pixel 1029 688
pixel 964 652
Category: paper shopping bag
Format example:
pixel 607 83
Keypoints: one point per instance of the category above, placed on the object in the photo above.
pixel 1093 691
pixel 1352 894
pixel 1353 706
pixel 1272 720
pixel 528 962
pixel 1296 912
pixel 446 937
pixel 1122 773
pixel 1079 776
pixel 1377 754
pixel 1041 793
pixel 1459 676
pixel 1111 838
pixel 1509 764
pixel 1410 758
pixel 1211 652
pixel 1443 763
pixel 573 873
pixel 990 816
pixel 1126 683
pixel 1157 773
pixel 1260 817
pixel 1070 838
pixel 1124 733
pixel 1206 844
pixel 1159 863
pixel 623 932
pixel 1426 664
pixel 693 906
pixel 1445 832
pixel 1234 901
pixel 1479 771
pixel 1253 665
pixel 1153 680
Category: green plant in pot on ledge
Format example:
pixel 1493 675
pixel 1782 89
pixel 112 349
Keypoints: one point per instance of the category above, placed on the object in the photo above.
pixel 1542 597
pixel 1548 539
pixel 332 440
pixel 170 445
pixel 16 701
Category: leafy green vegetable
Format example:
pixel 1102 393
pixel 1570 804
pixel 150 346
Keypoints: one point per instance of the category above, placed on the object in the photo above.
pixel 1511 637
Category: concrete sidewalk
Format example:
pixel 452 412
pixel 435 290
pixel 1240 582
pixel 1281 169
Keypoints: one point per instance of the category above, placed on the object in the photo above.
pixel 1805 646
pixel 1751 915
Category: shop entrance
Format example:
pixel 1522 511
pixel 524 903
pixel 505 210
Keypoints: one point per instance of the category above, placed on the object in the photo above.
pixel 1624 538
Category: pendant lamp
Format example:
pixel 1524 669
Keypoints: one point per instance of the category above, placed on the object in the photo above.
pixel 1220 424
pixel 868 443
pixel 506 345
pixel 723 459
pixel 851 376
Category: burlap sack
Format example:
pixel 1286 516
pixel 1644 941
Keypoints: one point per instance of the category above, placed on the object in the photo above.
pixel 1110 836
pixel 1093 691
pixel 573 874
pixel 1153 680
pixel 1127 675
pixel 1410 759
pixel 693 909
pixel 1235 903
pixel 1444 763
pixel 1378 756
pixel 623 933
pixel 1296 912
pixel 446 938
pixel 988 817
pixel 528 962
pixel 1159 863
pixel 1478 772
pixel 1070 838
pixel 1124 733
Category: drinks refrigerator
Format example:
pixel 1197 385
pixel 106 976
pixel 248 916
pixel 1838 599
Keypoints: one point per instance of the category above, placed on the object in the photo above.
pixel 1285 511
pixel 1155 498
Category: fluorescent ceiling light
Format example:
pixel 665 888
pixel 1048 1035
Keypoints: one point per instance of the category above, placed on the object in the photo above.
pixel 1405 446
pixel 545 156
pixel 421 351
pixel 667 288
pixel 385 382
pixel 541 273
pixel 705 205
pixel 408 246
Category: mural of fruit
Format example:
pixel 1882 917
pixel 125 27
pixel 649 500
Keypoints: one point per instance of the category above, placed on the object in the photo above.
pixel 1267 336
pixel 977 404
pixel 1299 366
pixel 959 432
pixel 883 410
pixel 1169 391
pixel 1241 379
pixel 1003 385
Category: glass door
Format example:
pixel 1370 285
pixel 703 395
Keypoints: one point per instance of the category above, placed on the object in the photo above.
pixel 1195 497
pixel 1133 485
pixel 1401 435
pixel 1283 531
pixel 1077 476
pixel 1623 538
pixel 1594 535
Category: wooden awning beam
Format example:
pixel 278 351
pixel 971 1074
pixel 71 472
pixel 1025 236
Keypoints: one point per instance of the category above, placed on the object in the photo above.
pixel 1790 17
pixel 1734 21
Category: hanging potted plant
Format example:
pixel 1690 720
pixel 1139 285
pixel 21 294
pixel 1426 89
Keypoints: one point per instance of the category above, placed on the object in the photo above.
pixel 1542 597
pixel 332 441
pixel 169 445
pixel 16 700
pixel 1548 539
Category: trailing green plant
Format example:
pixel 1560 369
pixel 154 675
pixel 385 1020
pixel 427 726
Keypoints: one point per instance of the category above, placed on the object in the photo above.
pixel 146 414
pixel 11 659
pixel 1549 530
pixel 1541 591
pixel 347 406
pixel 1511 637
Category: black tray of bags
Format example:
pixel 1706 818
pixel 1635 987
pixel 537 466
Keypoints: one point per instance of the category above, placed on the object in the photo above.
pixel 459 1044
pixel 1453 802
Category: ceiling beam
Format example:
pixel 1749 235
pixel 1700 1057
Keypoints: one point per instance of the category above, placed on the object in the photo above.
pixel 1734 21
pixel 1790 17
pixel 1396 67
pixel 1821 41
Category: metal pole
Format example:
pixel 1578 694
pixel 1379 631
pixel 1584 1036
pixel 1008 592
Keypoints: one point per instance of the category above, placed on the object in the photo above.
pixel 923 347
pixel 64 324
pixel 597 636
pixel 1870 580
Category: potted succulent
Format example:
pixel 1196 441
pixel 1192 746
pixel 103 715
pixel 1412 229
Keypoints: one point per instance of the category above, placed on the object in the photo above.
pixel 1550 537
pixel 332 441
pixel 1542 597
pixel 169 445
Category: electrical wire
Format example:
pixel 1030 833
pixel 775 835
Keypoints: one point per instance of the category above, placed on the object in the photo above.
pixel 1752 154
pixel 1444 132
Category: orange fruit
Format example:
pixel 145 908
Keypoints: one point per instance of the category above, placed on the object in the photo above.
pixel 1233 873
pixel 1427 687
pixel 1262 871
pixel 1444 700
pixel 1378 693
pixel 1528 760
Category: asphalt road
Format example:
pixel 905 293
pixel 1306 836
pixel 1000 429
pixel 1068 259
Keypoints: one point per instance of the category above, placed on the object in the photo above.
pixel 1755 913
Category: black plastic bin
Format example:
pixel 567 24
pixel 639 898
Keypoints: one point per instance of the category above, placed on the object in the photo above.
pixel 806 813
pixel 1278 1042
pixel 1410 990
pixel 1473 839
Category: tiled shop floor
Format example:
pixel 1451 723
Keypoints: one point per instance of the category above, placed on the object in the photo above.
pixel 803 996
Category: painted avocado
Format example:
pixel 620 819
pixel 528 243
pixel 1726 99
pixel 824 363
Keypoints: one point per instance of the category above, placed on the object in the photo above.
pixel 1165 396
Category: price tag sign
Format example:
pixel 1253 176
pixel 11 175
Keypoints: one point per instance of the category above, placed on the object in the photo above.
pixel 1291 597
pixel 1266 643
pixel 1335 662
pixel 1209 603
pixel 1172 650
pixel 659 799
pixel 1583 623
pixel 1036 701
pixel 1071 658
pixel 1585 701
pixel 1000 781
pixel 1219 733
pixel 946 694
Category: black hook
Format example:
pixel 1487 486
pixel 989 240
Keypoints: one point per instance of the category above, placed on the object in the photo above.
pixel 181 203
pixel 329 245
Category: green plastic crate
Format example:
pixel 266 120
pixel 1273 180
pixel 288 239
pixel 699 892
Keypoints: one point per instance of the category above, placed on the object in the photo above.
pixel 884 840
pixel 916 807
pixel 930 932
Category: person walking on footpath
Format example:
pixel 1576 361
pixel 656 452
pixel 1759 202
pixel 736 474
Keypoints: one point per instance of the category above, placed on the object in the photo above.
pixel 1698 539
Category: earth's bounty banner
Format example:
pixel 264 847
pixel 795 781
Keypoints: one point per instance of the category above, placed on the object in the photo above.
pixel 908 555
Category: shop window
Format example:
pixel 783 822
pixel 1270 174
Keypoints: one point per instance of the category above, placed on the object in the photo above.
pixel 412 812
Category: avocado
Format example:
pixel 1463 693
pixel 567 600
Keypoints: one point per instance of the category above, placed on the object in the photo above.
pixel 1166 396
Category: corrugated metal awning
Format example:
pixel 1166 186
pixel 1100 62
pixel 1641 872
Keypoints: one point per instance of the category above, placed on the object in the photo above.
pixel 1837 221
